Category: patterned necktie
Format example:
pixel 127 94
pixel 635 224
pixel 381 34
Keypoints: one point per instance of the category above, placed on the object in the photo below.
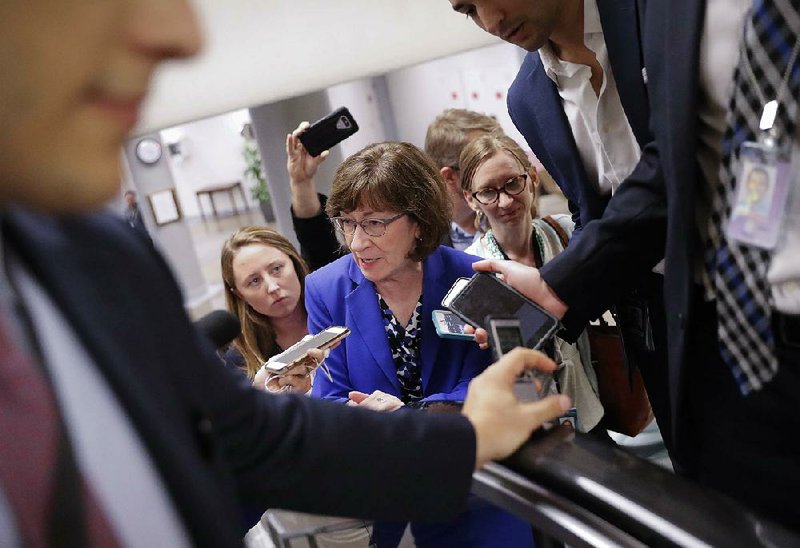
pixel 738 272
pixel 50 501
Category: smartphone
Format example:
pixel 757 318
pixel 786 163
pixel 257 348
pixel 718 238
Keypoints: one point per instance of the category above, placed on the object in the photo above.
pixel 298 351
pixel 485 295
pixel 450 326
pixel 505 334
pixel 328 131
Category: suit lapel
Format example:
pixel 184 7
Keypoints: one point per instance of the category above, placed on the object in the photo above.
pixel 546 106
pixel 364 316
pixel 81 282
pixel 620 24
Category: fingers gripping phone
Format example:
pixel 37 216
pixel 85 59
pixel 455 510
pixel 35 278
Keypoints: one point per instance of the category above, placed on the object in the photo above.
pixel 477 299
pixel 505 335
pixel 296 353
pixel 450 326
pixel 328 131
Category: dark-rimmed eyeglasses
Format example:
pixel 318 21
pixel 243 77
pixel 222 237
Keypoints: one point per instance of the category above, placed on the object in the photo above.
pixel 371 227
pixel 513 186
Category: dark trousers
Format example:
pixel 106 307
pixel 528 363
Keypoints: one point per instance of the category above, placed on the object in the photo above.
pixel 744 446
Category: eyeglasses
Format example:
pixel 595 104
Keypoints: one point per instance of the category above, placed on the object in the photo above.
pixel 513 186
pixel 278 383
pixel 371 227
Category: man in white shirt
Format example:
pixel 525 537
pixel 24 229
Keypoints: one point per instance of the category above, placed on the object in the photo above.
pixel 580 101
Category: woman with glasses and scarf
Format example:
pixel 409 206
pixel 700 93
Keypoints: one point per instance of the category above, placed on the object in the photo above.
pixel 499 185
pixel 391 206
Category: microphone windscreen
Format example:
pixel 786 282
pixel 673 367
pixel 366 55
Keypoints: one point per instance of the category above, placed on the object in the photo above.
pixel 220 326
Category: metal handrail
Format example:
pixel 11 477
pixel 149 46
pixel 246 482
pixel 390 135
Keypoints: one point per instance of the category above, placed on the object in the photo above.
pixel 586 492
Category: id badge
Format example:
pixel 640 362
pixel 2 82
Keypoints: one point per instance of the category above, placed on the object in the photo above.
pixel 758 206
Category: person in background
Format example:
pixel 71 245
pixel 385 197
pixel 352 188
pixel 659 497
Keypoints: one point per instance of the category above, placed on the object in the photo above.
pixel 499 184
pixel 132 213
pixel 315 233
pixel 389 203
pixel 264 276
pixel 446 137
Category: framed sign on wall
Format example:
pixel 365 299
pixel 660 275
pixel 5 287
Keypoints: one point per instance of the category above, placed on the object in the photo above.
pixel 165 206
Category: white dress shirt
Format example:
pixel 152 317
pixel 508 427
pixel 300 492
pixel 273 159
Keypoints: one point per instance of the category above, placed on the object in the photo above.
pixel 605 140
pixel 719 55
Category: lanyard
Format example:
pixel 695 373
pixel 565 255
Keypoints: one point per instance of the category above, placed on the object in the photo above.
pixel 770 109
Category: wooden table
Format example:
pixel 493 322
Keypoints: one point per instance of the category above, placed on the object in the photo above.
pixel 228 188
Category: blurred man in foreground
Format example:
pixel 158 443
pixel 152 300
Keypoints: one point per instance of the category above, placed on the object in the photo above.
pixel 118 424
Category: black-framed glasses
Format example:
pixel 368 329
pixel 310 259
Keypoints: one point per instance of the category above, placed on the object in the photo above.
pixel 513 186
pixel 371 227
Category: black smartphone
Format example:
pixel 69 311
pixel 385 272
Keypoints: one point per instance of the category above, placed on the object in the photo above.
pixel 485 296
pixel 328 131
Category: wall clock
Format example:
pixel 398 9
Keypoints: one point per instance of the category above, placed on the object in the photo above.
pixel 148 150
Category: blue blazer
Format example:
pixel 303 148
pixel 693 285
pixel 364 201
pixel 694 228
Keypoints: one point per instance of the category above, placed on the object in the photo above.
pixel 339 294
pixel 537 112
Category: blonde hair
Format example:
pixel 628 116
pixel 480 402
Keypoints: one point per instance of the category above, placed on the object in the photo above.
pixel 256 342
pixel 476 153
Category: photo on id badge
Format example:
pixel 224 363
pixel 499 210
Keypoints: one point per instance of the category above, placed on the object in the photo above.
pixel 759 202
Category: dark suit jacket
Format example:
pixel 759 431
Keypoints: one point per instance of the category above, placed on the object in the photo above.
pixel 339 294
pixel 537 111
pixel 653 211
pixel 217 442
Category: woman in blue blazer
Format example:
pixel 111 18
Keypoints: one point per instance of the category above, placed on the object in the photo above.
pixel 390 204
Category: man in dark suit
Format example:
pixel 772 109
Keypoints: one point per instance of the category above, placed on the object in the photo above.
pixel 725 398
pixel 118 424
pixel 580 101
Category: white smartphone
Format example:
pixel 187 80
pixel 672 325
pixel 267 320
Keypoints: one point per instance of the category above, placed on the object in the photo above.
pixel 297 352
pixel 450 326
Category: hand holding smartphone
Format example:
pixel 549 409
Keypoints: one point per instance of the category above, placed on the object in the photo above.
pixel 478 299
pixel 450 326
pixel 328 131
pixel 298 352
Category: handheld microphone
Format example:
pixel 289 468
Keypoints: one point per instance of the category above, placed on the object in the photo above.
pixel 220 326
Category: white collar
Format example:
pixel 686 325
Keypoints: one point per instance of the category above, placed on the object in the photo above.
pixel 555 67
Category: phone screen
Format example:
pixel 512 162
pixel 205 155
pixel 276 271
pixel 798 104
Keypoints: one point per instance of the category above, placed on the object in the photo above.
pixel 508 337
pixel 298 350
pixel 486 295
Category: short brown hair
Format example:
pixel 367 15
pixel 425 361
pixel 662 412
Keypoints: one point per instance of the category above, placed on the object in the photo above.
pixel 394 177
pixel 256 342
pixel 450 132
